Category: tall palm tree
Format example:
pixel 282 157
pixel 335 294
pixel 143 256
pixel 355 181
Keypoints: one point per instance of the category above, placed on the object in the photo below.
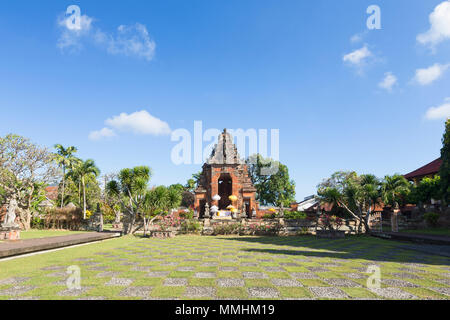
pixel 66 160
pixel 394 187
pixel 84 169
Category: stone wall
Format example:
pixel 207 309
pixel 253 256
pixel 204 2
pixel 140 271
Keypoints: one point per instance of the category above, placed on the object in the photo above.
pixel 285 227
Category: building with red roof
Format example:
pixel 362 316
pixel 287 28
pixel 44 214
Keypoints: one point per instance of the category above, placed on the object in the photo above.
pixel 428 170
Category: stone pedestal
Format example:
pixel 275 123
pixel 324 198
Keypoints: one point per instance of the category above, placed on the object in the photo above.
pixel 9 233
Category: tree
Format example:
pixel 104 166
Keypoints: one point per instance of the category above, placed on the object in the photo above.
pixel 65 159
pixel 358 195
pixel 271 180
pixel 395 189
pixel 131 188
pixel 23 167
pixel 84 170
pixel 425 190
pixel 445 167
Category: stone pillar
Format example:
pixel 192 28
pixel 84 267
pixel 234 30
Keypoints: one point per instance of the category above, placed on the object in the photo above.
pixel 394 220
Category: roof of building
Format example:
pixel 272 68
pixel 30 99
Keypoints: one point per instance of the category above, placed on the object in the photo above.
pixel 225 151
pixel 428 169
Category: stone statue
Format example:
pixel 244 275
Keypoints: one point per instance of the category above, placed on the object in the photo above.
pixel 207 215
pixel 253 213
pixel 244 209
pixel 10 217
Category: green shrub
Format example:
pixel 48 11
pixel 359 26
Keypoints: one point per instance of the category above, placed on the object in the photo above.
pixel 227 229
pixel 269 216
pixel 295 215
pixel 37 223
pixel 191 226
pixel 187 215
pixel 431 219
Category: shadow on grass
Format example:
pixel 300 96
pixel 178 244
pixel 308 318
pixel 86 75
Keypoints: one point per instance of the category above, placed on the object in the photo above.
pixel 352 247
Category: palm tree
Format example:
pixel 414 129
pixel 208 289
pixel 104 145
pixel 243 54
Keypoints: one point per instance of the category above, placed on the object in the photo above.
pixel 84 169
pixel 66 160
pixel 394 187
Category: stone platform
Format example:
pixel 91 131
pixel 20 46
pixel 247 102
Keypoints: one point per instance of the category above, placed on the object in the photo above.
pixel 9 233
pixel 14 248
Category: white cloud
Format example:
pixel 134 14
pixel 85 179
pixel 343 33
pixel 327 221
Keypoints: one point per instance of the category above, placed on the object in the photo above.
pixel 428 75
pixel 358 57
pixel 131 40
pixel 388 82
pixel 358 37
pixel 440 112
pixel 140 122
pixel 439 26
pixel 70 38
pixel 101 134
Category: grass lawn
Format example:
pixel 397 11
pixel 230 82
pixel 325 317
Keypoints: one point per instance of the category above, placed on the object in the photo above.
pixel 36 234
pixel 435 231
pixel 194 267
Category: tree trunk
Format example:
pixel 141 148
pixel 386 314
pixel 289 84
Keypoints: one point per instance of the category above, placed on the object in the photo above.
pixel 84 198
pixel 63 187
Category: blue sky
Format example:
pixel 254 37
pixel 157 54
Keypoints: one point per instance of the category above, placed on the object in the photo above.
pixel 234 64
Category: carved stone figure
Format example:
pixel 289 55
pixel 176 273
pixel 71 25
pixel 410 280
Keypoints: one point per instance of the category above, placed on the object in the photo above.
pixel 207 215
pixel 10 217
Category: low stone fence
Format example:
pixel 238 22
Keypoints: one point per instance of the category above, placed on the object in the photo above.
pixel 280 226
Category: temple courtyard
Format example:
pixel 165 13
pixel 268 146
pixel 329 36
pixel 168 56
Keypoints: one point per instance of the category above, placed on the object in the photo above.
pixel 194 267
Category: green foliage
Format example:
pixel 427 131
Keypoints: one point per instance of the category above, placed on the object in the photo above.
pixel 445 168
pixel 191 226
pixel 295 215
pixel 358 195
pixel 395 190
pixel 227 229
pixel 271 180
pixel 431 219
pixel 187 215
pixel 427 189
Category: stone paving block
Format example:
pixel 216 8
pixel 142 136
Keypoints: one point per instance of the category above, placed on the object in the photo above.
pixel 122 282
pixel 304 275
pixel 404 275
pixel 101 268
pixel 143 292
pixel 444 291
pixel 205 275
pixel 398 283
pixel 263 292
pixel 58 274
pixel 73 292
pixel 108 274
pixel 53 268
pixel 14 280
pixel 209 264
pixel 286 283
pixel 230 282
pixel 249 264
pixel 91 298
pixel 254 275
pixel 186 269
pixel 444 281
pixel 169 264
pixel 392 293
pixel 141 268
pixel 175 282
pixel 318 269
pixel 274 269
pixel 342 283
pixel 16 290
pixel 355 275
pixel 328 292
pixel 228 269
pixel 200 292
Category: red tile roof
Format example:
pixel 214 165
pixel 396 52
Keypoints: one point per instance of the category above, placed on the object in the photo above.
pixel 429 169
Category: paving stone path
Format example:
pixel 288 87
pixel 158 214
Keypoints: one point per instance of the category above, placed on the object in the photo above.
pixel 239 268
